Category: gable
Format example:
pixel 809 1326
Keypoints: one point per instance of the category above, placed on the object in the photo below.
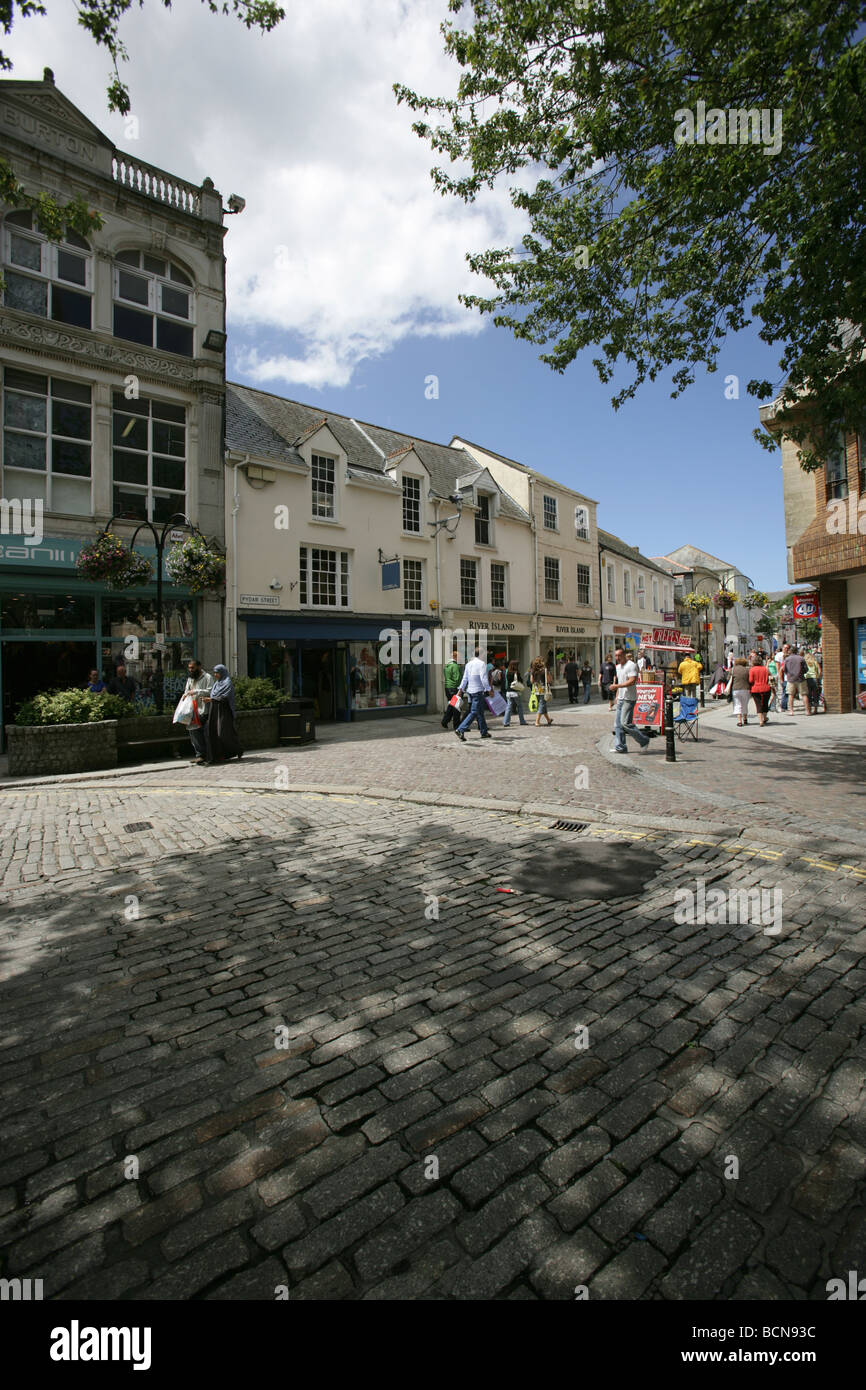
pixel 37 114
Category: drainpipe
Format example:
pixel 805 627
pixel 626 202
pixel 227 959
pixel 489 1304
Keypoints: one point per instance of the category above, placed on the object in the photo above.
pixel 535 584
pixel 601 611
pixel 438 502
pixel 232 634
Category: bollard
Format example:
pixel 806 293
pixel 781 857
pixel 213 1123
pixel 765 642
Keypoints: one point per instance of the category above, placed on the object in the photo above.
pixel 670 747
pixel 701 688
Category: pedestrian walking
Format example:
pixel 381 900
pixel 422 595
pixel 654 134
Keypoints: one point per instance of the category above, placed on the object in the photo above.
pixel 198 685
pixel 738 687
pixel 540 691
pixel 759 684
pixel 451 675
pixel 813 681
pixel 513 695
pixel 571 674
pixel 795 679
pixel 586 681
pixel 222 734
pixel 783 685
pixel 625 686
pixel 477 685
pixel 720 680
pixel 773 676
pixel 606 678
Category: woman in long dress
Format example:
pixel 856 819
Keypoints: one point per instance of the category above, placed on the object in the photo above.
pixel 222 737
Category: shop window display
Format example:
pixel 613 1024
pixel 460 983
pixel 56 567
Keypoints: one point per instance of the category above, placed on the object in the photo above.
pixel 374 684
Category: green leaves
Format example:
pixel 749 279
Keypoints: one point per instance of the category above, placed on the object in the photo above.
pixel 760 214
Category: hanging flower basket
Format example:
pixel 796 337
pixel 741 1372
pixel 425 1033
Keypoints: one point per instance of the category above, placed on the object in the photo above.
pixel 697 602
pixel 195 565
pixel 756 599
pixel 110 562
pixel 724 599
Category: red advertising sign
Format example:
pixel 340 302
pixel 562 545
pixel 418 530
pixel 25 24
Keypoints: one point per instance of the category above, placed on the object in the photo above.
pixel 666 638
pixel 649 705
pixel 806 606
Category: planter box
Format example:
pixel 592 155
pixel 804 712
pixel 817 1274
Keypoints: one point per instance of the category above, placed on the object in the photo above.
pixel 43 750
pixel 258 728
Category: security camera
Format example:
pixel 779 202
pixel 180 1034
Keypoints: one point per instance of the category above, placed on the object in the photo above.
pixel 275 584
pixel 455 497
pixel 237 203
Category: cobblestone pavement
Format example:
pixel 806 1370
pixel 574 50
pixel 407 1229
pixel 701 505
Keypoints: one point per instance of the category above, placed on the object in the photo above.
pixel 256 1040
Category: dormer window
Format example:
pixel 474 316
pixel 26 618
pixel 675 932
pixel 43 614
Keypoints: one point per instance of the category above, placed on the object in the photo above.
pixel 53 281
pixel 153 302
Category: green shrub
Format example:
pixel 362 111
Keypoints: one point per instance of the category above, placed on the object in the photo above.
pixel 73 707
pixel 256 692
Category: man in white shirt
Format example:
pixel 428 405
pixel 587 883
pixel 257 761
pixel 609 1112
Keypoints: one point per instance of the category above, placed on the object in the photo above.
pixel 198 685
pixel 626 699
pixel 477 686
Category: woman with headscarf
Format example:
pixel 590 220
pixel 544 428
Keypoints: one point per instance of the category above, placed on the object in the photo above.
pixel 222 738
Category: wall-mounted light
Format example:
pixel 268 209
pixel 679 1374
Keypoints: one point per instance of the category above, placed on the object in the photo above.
pixel 215 341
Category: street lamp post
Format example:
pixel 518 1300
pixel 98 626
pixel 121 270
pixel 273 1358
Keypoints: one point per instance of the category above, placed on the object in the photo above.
pixel 177 522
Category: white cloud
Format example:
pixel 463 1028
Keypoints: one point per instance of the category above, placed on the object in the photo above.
pixel 345 248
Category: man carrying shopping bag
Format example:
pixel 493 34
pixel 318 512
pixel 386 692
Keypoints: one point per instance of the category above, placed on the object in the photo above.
pixel 198 686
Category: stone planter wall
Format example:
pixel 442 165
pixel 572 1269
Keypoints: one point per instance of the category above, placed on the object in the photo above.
pixel 258 728
pixel 145 727
pixel 44 750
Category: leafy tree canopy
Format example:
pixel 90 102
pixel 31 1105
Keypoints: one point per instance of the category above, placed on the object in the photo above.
pixel 656 226
pixel 101 19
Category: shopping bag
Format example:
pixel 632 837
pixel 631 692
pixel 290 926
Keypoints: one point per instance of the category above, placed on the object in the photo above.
pixel 496 704
pixel 455 701
pixel 185 712
pixel 533 701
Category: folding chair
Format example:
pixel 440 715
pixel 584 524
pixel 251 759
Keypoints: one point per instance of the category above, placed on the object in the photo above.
pixel 686 722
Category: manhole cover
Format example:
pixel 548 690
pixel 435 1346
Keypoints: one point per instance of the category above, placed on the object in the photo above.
pixel 136 825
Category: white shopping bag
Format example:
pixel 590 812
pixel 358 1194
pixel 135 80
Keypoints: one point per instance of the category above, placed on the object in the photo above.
pixel 185 712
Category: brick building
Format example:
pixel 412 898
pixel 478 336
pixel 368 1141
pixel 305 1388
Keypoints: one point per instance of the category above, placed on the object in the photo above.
pixel 825 534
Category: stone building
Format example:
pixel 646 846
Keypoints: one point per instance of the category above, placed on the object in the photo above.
pixel 343 533
pixel 636 594
pixel 825 535
pixel 113 383
pixel 564 601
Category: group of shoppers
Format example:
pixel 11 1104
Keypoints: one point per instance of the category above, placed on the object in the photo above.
pixel 467 693
pixel 782 678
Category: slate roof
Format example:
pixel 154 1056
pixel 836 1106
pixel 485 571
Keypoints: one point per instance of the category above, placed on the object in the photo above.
pixel 524 468
pixel 607 541
pixel 270 426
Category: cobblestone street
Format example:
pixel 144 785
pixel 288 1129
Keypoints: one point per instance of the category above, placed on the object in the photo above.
pixel 357 1046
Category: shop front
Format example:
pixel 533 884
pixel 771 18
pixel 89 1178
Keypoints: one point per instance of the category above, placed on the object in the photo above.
pixel 507 639
pixel 561 642
pixel 348 668
pixel 55 628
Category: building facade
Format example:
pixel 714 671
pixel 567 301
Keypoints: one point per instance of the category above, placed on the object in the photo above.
pixel 565 614
pixel 355 552
pixel 825 535
pixel 637 594
pixel 716 633
pixel 112 399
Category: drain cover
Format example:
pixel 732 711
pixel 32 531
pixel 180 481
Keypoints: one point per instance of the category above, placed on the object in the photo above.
pixel 568 825
pixel 136 825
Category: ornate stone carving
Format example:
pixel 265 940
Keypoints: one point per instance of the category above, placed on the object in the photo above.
pixel 57 341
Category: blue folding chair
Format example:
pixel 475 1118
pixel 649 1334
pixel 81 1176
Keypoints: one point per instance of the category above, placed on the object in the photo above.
pixel 686 722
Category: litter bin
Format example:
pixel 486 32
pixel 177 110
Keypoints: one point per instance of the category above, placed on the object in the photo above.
pixel 297 721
